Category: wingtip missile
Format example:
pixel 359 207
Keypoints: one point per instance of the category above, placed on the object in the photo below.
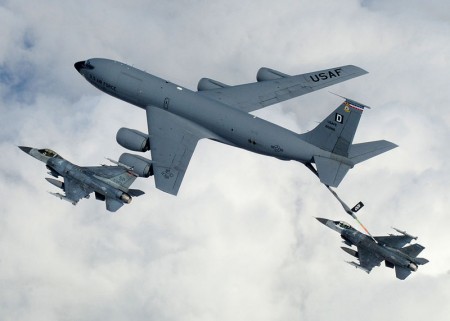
pixel 405 233
pixel 356 265
pixel 63 197
pixel 120 164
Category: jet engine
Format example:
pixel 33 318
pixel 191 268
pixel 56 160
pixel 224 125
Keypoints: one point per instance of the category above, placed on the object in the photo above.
pixel 125 198
pixel 210 84
pixel 133 139
pixel 413 267
pixel 269 74
pixel 141 166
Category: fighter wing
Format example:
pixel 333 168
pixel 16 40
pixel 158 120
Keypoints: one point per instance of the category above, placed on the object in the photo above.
pixel 75 191
pixel 394 241
pixel 116 176
pixel 172 140
pixel 274 87
pixel 367 259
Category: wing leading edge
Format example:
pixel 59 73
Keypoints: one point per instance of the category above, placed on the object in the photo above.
pixel 279 87
pixel 172 140
pixel 395 241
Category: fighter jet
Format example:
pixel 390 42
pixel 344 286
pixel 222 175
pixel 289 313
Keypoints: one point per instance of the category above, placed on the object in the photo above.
pixel 109 183
pixel 178 118
pixel 372 251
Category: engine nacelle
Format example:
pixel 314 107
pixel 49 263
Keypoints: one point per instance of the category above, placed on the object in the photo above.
pixel 209 84
pixel 142 166
pixel 269 74
pixel 133 139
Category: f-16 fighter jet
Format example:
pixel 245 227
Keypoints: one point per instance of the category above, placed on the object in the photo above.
pixel 372 251
pixel 109 183
pixel 178 118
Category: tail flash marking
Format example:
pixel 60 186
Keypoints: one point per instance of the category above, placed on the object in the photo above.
pixel 354 106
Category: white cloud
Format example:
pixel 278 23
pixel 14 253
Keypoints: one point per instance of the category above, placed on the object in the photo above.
pixel 239 241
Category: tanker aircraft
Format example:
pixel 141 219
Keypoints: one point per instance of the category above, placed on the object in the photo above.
pixel 178 118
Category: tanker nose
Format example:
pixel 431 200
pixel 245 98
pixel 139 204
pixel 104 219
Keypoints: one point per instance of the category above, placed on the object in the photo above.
pixel 79 65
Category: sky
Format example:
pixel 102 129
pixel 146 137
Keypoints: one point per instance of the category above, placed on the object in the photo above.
pixel 240 241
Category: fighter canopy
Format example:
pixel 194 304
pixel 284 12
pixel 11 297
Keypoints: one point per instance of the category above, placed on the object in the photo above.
pixel 49 153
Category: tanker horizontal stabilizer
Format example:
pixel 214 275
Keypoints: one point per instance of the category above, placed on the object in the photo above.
pixel 361 152
pixel 331 172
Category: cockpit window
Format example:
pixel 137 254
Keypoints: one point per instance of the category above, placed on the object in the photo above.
pixel 87 64
pixel 344 225
pixel 48 153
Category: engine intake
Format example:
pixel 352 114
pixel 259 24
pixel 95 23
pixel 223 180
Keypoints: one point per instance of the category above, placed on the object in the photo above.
pixel 210 84
pixel 133 139
pixel 142 166
pixel 269 74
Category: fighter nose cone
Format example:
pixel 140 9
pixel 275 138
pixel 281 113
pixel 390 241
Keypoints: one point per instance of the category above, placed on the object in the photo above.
pixel 25 149
pixel 322 220
pixel 79 65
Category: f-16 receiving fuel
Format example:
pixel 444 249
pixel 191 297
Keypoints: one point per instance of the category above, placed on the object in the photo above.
pixel 371 251
pixel 178 118
pixel 109 183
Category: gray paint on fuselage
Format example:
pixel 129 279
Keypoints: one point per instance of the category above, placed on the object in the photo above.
pixel 84 176
pixel 388 253
pixel 230 125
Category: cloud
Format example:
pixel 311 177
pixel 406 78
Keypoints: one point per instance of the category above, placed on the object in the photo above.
pixel 240 240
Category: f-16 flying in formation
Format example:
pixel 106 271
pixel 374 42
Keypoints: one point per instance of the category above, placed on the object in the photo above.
pixel 371 251
pixel 109 183
pixel 178 118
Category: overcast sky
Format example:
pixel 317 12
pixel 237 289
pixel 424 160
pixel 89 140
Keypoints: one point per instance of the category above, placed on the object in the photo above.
pixel 240 241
